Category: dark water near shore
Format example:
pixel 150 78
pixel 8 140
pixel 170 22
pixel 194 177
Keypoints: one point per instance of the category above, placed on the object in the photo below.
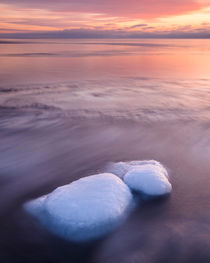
pixel 67 107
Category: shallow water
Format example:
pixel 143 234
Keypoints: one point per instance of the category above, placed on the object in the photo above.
pixel 67 107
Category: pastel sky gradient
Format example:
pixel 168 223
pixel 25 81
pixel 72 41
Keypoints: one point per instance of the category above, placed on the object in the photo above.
pixel 105 18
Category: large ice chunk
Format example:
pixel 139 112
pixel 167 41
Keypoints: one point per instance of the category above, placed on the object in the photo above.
pixel 85 209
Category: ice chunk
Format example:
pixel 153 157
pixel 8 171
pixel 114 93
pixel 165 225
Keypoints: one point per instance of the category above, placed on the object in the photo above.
pixel 84 210
pixel 149 179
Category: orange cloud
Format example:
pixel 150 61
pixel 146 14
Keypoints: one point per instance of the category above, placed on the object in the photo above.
pixel 133 15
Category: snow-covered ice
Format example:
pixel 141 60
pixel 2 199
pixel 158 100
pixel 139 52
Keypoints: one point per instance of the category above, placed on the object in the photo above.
pixel 84 210
pixel 91 207
pixel 148 177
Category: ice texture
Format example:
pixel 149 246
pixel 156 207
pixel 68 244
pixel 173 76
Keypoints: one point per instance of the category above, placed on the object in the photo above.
pixel 85 209
pixel 121 168
pixel 147 177
pixel 92 206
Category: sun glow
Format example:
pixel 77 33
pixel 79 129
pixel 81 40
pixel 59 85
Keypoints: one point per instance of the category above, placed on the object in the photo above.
pixel 19 18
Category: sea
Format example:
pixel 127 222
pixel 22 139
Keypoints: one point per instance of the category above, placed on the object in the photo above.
pixel 70 106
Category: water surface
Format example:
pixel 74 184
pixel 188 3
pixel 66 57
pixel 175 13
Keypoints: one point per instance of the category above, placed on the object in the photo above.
pixel 67 107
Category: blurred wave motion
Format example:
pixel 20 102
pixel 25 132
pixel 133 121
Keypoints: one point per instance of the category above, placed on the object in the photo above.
pixel 68 107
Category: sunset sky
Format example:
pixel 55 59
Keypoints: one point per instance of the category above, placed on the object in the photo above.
pixel 104 18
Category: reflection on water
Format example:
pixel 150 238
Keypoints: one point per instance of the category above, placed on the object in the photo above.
pixel 67 108
pixel 64 60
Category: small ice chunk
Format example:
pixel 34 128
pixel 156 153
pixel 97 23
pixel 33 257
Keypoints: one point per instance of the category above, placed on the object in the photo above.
pixel 148 179
pixel 86 209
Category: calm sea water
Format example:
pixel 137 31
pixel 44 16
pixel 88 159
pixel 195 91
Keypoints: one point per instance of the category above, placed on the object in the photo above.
pixel 67 107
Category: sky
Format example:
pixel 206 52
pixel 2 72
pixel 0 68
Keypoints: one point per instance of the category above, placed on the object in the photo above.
pixel 104 18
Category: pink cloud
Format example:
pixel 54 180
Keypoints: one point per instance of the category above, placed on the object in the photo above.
pixel 132 8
